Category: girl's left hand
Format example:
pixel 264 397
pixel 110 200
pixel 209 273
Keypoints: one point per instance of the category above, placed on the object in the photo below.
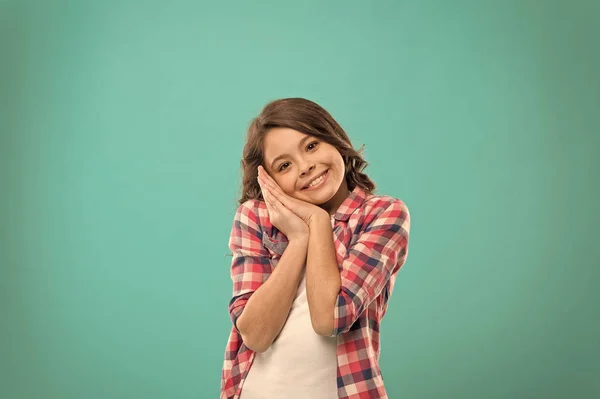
pixel 303 209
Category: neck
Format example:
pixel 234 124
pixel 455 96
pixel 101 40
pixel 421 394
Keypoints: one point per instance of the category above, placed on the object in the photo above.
pixel 334 203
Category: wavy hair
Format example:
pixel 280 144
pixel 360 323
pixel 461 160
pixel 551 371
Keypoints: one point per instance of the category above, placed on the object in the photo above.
pixel 306 117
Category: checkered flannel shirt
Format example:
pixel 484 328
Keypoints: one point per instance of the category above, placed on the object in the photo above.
pixel 371 241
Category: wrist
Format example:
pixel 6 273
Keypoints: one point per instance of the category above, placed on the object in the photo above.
pixel 300 240
pixel 319 218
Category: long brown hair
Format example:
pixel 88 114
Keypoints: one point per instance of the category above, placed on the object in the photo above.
pixel 306 117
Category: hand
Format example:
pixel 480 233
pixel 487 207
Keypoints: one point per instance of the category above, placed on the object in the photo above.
pixel 291 225
pixel 302 209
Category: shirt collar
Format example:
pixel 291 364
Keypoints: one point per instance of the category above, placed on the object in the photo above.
pixel 352 202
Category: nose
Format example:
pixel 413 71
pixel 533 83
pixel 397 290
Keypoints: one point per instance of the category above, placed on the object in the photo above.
pixel 306 169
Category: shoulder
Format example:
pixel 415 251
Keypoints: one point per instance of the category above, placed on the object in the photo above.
pixel 384 203
pixel 253 212
pixel 385 209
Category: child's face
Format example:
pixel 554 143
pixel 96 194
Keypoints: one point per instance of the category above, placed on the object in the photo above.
pixel 303 158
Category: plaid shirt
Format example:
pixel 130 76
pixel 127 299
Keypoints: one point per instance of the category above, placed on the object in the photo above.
pixel 371 241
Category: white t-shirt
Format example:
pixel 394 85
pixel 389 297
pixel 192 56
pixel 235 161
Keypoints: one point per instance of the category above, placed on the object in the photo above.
pixel 300 364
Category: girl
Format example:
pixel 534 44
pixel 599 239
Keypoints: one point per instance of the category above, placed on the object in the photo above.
pixel 315 258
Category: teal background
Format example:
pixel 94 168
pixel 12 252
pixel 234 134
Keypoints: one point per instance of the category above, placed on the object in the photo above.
pixel 122 126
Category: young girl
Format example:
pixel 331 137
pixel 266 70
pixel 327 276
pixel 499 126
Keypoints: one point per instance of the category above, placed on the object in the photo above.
pixel 315 258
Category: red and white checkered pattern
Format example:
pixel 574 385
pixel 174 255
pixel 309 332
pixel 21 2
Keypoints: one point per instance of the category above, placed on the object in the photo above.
pixel 371 241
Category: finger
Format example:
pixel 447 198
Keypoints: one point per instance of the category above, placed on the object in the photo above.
pixel 275 207
pixel 283 199
pixel 263 190
pixel 271 184
pixel 270 211
pixel 270 200
pixel 277 198
pixel 280 207
pixel 265 176
pixel 269 180
pixel 271 192
pixel 271 206
pixel 277 193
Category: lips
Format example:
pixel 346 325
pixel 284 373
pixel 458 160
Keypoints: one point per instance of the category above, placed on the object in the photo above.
pixel 305 187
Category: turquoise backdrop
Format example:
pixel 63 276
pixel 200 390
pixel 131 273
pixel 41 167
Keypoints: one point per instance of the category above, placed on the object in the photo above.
pixel 122 125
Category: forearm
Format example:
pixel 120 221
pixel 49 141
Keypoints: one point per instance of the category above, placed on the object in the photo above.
pixel 267 309
pixel 323 281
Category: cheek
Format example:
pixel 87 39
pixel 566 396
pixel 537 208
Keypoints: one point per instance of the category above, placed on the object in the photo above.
pixel 285 185
pixel 341 167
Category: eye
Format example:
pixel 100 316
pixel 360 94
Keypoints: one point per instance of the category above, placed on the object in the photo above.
pixel 308 147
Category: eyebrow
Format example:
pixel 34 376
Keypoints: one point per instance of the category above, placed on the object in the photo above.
pixel 300 144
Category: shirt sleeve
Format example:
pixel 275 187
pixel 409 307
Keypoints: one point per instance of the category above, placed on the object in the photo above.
pixel 378 253
pixel 250 265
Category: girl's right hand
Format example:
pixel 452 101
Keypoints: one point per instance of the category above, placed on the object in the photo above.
pixel 284 219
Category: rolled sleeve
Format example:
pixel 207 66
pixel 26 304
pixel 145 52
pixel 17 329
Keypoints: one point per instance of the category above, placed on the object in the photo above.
pixel 379 253
pixel 250 265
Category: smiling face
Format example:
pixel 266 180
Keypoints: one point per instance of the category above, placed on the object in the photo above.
pixel 305 167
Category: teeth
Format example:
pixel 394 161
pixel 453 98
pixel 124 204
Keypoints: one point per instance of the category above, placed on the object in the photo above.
pixel 317 180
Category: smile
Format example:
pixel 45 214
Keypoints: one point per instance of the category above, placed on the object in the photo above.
pixel 318 182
